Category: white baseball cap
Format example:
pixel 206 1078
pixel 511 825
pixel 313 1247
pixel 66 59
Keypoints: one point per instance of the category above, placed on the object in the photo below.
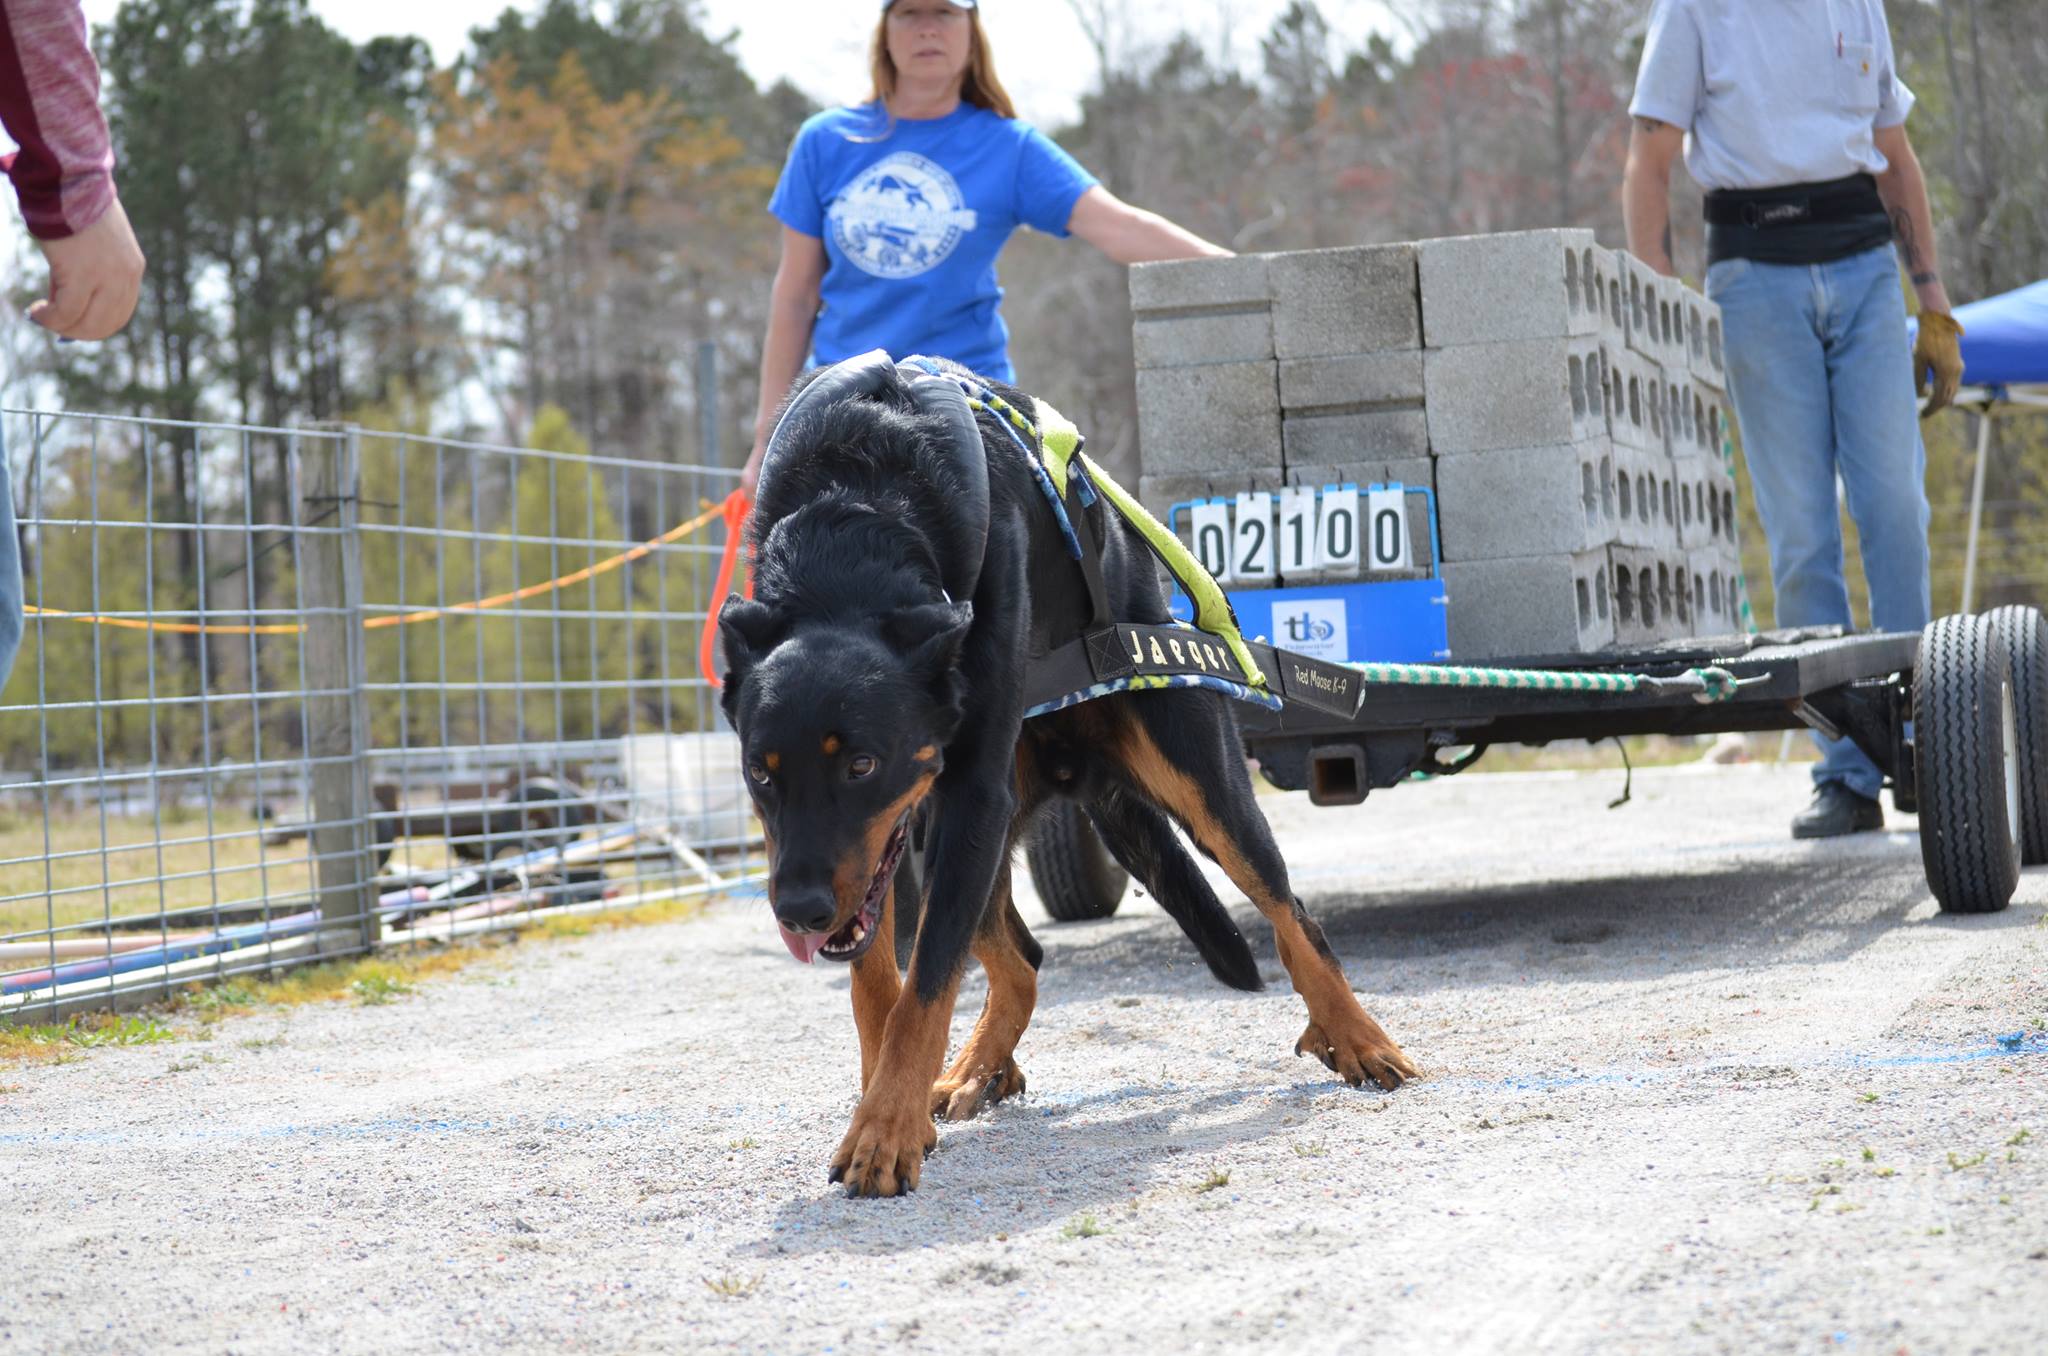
pixel 956 4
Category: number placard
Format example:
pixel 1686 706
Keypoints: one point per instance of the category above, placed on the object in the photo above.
pixel 1252 556
pixel 1337 534
pixel 1211 524
pixel 1386 530
pixel 1297 530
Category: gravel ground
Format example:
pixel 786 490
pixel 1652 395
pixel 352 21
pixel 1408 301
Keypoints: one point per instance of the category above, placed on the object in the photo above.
pixel 1692 1087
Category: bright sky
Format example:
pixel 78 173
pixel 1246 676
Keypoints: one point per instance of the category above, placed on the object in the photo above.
pixel 820 45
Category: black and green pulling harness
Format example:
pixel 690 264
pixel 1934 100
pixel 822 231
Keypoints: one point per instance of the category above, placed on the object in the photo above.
pixel 1111 656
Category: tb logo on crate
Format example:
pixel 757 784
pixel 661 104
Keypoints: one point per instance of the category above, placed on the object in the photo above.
pixel 1338 530
pixel 1312 626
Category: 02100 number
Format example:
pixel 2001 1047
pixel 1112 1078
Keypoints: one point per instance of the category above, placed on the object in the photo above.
pixel 1256 536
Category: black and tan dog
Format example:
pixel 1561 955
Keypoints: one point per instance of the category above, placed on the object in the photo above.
pixel 900 593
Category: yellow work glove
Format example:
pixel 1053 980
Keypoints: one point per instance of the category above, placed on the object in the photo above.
pixel 1936 354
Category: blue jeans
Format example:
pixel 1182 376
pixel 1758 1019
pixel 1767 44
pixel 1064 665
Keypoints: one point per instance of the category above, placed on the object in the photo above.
pixel 1822 382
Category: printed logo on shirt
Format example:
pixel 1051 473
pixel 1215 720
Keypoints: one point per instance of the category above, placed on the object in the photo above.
pixel 901 217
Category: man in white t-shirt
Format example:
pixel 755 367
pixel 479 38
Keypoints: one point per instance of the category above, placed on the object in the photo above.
pixel 1792 117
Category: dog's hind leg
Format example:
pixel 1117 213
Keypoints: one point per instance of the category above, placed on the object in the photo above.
pixel 986 1069
pixel 876 986
pixel 1142 841
pixel 1180 751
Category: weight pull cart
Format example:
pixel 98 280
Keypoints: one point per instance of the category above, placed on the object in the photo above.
pixel 1956 718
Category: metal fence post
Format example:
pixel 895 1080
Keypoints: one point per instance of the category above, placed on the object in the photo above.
pixel 710 443
pixel 337 711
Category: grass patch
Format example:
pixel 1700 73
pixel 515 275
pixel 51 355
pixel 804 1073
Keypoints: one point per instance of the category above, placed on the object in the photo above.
pixel 631 916
pixel 371 980
pixel 58 1042
pixel 1083 1227
pixel 1215 1181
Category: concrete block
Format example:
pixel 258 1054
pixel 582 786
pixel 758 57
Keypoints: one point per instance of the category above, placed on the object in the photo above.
pixel 1699 506
pixel 1706 361
pixel 1716 595
pixel 1318 437
pixel 1235 282
pixel 1671 295
pixel 1202 337
pixel 1197 420
pixel 1522 393
pixel 1413 471
pixel 1714 418
pixel 1652 595
pixel 1359 299
pixel 1646 323
pixel 1196 311
pixel 1631 391
pixel 1160 493
pixel 1352 381
pixel 1520 285
pixel 1529 607
pixel 1531 501
pixel 1643 482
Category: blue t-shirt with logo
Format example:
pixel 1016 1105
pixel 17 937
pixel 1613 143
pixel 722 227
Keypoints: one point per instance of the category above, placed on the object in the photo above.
pixel 912 217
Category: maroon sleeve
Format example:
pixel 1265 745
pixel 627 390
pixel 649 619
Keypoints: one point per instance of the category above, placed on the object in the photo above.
pixel 49 102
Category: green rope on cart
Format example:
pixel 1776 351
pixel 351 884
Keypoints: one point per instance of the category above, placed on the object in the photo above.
pixel 1705 685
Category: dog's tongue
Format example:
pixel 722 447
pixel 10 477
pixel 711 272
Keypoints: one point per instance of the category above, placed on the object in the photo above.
pixel 805 946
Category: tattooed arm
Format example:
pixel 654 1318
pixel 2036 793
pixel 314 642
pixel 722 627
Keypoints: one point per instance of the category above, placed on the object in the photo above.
pixel 1904 190
pixel 1646 191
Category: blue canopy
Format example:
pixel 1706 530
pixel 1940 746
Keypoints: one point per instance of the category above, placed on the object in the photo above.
pixel 2005 338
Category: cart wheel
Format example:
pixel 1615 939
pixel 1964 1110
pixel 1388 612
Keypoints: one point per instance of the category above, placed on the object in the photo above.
pixel 1074 873
pixel 1966 754
pixel 2025 633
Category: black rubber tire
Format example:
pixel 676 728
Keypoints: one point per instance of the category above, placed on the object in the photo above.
pixel 2025 632
pixel 1076 877
pixel 1962 694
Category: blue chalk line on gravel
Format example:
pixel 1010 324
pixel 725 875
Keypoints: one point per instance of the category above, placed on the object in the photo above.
pixel 2017 1045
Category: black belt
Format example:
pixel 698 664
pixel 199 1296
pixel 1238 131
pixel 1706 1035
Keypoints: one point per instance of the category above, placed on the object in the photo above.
pixel 1796 223
pixel 1762 209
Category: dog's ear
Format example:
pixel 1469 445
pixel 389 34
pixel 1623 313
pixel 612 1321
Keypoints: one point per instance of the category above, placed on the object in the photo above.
pixel 929 636
pixel 749 630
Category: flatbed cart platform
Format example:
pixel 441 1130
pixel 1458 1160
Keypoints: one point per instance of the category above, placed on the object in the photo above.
pixel 1956 718
pixel 1838 684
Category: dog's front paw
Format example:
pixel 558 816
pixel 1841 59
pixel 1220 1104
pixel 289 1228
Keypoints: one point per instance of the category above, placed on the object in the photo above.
pixel 884 1150
pixel 1357 1051
pixel 960 1096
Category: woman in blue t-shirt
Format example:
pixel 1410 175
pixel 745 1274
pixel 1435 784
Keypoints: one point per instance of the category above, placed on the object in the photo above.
pixel 893 212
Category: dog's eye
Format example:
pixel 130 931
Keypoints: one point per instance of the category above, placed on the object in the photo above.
pixel 758 773
pixel 862 765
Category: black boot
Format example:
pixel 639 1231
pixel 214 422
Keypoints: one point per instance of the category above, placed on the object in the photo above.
pixel 1837 810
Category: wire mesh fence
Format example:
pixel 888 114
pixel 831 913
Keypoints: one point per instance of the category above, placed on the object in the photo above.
pixel 287 694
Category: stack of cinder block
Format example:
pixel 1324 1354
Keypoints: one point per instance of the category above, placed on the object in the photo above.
pixel 1566 403
pixel 1260 372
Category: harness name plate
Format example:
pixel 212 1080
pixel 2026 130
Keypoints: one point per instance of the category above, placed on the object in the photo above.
pixel 1131 648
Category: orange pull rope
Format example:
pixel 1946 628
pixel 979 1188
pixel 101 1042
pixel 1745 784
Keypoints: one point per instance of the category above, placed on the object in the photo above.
pixel 738 505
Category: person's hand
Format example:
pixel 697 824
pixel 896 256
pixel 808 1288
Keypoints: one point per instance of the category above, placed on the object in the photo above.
pixel 95 278
pixel 750 474
pixel 1937 353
